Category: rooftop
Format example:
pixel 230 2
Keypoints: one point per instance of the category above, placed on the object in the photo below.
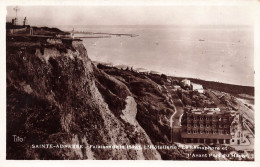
pixel 207 111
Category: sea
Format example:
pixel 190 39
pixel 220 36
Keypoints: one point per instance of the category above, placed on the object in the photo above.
pixel 214 53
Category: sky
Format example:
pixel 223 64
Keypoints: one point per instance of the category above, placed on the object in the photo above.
pixel 134 15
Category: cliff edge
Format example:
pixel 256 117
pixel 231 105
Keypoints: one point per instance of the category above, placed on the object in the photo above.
pixel 55 95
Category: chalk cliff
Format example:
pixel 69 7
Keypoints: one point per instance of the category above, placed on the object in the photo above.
pixel 55 95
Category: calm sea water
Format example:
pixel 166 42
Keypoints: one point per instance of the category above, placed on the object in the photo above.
pixel 216 54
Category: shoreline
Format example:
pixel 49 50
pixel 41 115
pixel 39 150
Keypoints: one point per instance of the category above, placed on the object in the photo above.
pixel 144 70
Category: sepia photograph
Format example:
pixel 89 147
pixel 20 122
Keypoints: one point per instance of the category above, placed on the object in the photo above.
pixel 130 82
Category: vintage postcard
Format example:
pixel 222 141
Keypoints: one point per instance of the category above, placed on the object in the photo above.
pixel 139 81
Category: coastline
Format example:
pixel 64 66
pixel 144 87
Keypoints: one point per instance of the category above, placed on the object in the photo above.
pixel 97 104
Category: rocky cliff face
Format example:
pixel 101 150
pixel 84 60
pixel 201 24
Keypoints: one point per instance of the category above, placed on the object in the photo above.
pixel 56 96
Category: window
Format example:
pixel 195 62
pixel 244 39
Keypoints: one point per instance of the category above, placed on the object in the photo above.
pixel 188 131
pixel 201 132
pixel 194 131
pixel 201 125
pixel 207 125
pixel 220 126
pixel 225 126
pixel 201 118
pixel 207 118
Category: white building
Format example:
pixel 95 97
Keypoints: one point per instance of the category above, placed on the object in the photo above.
pixel 236 130
pixel 197 87
pixel 176 87
pixel 185 83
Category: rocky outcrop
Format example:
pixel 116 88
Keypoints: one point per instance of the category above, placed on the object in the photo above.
pixel 56 96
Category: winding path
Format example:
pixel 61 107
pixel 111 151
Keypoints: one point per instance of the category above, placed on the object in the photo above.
pixel 175 119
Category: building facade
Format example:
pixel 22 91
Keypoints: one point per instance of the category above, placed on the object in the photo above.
pixel 185 83
pixel 197 87
pixel 206 126
pixel 237 131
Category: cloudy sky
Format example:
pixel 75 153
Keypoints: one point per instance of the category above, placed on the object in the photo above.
pixel 135 15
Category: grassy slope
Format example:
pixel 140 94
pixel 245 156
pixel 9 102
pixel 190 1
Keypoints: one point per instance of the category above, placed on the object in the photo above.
pixel 153 108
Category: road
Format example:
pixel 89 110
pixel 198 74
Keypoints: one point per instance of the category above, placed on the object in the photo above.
pixel 175 119
pixel 178 108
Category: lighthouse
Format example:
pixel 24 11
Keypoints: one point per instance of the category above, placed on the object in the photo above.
pixel 72 34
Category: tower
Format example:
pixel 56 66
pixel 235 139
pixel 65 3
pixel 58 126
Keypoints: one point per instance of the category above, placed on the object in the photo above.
pixel 16 9
pixel 25 21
